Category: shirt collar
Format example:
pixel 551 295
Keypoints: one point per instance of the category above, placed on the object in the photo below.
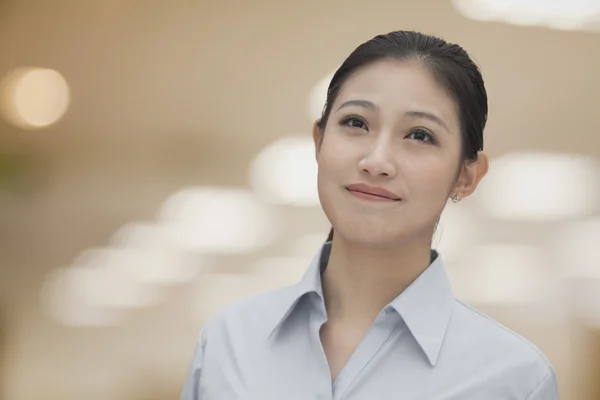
pixel 310 283
pixel 425 306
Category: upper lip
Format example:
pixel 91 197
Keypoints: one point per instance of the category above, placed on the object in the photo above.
pixel 373 190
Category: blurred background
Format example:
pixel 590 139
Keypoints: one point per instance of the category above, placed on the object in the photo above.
pixel 156 164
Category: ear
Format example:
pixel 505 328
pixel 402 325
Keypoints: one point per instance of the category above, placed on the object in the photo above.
pixel 470 175
pixel 317 138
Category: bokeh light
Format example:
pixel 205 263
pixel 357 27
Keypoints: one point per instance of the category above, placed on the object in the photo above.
pixel 146 252
pixel 541 187
pixel 34 98
pixel 318 97
pixel 558 14
pixel 219 220
pixel 285 172
pixel 69 307
pixel 500 273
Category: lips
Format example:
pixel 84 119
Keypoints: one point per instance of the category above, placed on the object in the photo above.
pixel 373 192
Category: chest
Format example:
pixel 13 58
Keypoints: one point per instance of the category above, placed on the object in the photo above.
pixel 331 362
pixel 308 362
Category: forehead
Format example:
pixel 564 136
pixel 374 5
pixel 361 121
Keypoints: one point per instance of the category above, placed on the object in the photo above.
pixel 400 86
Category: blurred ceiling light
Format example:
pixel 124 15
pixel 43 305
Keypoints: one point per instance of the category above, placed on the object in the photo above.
pixel 541 187
pixel 456 231
pixel 285 172
pixel 503 274
pixel 153 266
pixel 146 253
pixel 101 276
pixel 218 220
pixel 142 235
pixel 318 96
pixel 575 249
pixel 70 308
pixel 558 14
pixel 129 275
pixel 33 98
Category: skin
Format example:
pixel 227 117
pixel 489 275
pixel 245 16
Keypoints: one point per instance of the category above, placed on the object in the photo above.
pixel 392 126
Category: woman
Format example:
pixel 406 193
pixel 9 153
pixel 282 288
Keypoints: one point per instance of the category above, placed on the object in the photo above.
pixel 374 317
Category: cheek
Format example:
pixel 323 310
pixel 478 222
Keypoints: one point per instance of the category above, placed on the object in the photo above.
pixel 328 179
pixel 431 176
pixel 335 159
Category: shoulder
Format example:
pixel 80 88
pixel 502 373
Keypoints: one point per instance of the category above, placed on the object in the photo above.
pixel 487 344
pixel 484 330
pixel 252 316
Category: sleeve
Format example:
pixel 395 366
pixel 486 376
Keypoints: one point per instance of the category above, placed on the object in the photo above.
pixel 191 387
pixel 547 389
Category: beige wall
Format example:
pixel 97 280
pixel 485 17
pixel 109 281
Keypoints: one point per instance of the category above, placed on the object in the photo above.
pixel 167 95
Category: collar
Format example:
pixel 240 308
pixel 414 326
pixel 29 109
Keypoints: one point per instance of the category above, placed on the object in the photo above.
pixel 425 306
pixel 310 283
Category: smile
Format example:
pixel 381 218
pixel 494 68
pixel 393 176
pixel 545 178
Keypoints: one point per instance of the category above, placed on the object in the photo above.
pixel 372 197
pixel 373 193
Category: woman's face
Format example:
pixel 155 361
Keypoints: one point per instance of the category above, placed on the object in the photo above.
pixel 389 158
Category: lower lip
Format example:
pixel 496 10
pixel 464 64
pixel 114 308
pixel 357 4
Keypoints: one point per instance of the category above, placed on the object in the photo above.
pixel 371 197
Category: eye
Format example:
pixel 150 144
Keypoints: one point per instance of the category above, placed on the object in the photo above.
pixel 354 122
pixel 421 135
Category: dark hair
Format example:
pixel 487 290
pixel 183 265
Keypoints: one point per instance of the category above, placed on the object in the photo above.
pixel 449 63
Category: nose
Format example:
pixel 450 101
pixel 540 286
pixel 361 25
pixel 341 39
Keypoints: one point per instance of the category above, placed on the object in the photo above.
pixel 379 160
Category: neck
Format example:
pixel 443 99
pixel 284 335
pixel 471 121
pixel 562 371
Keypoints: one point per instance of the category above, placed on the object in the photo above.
pixel 360 280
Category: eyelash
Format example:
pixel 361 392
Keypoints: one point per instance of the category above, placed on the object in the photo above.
pixel 430 138
pixel 346 122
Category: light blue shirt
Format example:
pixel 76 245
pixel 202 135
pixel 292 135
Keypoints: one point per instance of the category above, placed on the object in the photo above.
pixel 424 345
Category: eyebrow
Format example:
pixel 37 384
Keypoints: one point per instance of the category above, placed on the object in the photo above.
pixel 359 103
pixel 415 114
pixel 428 116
